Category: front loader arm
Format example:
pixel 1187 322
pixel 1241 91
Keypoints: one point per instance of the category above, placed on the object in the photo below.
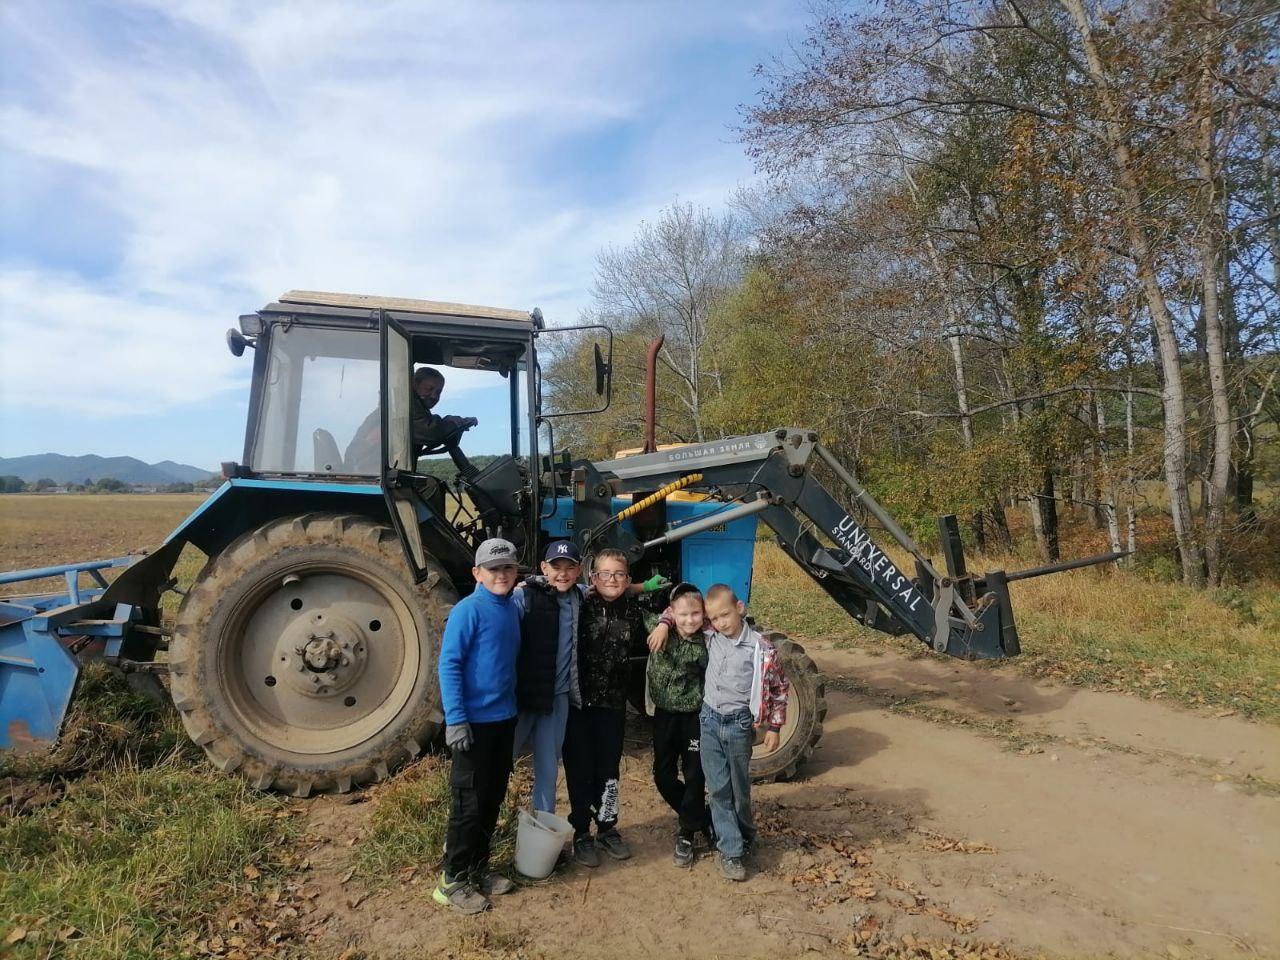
pixel 771 474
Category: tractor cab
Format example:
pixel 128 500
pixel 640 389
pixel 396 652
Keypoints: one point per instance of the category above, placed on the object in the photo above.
pixel 336 401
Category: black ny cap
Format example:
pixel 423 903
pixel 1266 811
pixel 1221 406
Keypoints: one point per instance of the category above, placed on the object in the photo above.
pixel 562 550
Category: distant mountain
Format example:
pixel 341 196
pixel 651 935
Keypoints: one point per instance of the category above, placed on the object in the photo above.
pixel 130 470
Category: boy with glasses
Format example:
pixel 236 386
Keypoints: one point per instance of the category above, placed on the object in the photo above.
pixel 610 628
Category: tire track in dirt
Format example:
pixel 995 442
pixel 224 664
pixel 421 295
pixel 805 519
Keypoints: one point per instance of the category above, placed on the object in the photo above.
pixel 1105 845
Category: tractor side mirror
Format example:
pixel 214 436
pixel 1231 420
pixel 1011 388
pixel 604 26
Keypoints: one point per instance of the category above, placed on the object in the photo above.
pixel 603 360
pixel 237 341
pixel 604 370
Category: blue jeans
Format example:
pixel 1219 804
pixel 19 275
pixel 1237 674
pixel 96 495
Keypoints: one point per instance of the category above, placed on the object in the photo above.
pixel 727 739
pixel 545 732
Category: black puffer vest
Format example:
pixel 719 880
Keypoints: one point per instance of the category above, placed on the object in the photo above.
pixel 539 640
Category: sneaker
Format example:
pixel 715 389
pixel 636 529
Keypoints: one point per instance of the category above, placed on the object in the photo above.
pixel 584 850
pixel 460 895
pixel 683 856
pixel 732 868
pixel 495 884
pixel 614 845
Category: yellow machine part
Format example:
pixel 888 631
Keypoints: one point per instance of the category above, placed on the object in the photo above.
pixel 678 495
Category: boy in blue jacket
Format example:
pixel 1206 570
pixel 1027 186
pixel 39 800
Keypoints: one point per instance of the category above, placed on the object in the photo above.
pixel 478 693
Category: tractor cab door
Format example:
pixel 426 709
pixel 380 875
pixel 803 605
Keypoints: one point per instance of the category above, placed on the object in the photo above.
pixel 397 442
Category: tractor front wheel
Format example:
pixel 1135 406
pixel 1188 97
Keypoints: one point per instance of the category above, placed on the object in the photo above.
pixel 304 656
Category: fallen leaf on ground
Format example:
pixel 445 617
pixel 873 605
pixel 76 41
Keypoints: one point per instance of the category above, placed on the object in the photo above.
pixel 16 935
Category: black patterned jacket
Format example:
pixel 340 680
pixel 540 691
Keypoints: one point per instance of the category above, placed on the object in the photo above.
pixel 610 633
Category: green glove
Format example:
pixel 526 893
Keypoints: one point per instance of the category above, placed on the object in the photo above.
pixel 654 583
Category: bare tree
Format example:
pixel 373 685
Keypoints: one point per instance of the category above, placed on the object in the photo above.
pixel 668 280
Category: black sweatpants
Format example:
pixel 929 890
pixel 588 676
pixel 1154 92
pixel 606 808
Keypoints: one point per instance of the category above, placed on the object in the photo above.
pixel 675 752
pixel 592 754
pixel 477 787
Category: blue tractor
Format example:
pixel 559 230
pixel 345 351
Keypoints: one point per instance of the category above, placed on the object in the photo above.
pixel 303 656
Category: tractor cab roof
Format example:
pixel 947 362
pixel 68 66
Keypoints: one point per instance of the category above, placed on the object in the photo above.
pixel 452 334
pixel 362 307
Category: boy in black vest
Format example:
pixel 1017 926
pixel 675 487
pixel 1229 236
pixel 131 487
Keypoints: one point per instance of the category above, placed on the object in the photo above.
pixel 547 668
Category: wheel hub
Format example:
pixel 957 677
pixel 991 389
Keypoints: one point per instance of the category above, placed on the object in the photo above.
pixel 323 654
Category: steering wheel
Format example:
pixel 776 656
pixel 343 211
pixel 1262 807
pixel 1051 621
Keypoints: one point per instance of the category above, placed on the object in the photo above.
pixel 455 438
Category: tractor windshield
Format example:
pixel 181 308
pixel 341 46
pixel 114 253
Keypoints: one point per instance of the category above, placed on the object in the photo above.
pixel 320 397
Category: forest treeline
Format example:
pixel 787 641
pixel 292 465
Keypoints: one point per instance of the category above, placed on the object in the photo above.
pixel 1013 254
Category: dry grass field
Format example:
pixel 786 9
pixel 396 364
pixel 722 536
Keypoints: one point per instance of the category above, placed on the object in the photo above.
pixel 41 530
pixel 1106 628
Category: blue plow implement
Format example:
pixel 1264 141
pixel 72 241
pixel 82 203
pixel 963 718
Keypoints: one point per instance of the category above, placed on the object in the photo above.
pixel 39 636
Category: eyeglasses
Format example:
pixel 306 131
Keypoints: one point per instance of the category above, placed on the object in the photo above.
pixel 612 574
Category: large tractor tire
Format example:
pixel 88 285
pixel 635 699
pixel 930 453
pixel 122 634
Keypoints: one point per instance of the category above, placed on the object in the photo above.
pixel 304 656
pixel 806 709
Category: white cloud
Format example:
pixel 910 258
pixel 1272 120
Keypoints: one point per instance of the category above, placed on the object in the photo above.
pixel 383 147
pixel 84 351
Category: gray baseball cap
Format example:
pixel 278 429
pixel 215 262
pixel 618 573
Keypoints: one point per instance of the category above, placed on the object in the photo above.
pixel 496 553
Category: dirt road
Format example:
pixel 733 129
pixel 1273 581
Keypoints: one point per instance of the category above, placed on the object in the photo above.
pixel 946 802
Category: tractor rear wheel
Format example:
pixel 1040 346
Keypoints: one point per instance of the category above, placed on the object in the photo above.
pixel 304 656
pixel 806 709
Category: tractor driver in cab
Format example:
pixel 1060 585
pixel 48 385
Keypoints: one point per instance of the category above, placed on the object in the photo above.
pixel 430 432
pixel 428 429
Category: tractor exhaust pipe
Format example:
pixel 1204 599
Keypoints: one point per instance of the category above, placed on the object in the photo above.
pixel 651 395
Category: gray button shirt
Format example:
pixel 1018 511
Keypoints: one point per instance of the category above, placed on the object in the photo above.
pixel 730 669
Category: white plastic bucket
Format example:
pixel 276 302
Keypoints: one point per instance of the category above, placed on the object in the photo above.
pixel 539 839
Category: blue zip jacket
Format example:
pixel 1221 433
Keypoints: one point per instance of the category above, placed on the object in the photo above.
pixel 478 659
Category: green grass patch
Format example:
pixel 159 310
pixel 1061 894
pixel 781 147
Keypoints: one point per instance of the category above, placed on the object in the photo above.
pixel 133 844
pixel 410 817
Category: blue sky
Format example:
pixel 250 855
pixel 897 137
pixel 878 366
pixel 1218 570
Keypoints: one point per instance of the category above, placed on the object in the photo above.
pixel 169 165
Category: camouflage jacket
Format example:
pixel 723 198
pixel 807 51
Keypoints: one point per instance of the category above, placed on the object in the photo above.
pixel 676 674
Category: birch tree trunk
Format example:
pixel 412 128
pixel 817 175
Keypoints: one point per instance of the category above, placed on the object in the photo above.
pixel 1107 495
pixel 1173 396
pixel 1131 479
pixel 1212 237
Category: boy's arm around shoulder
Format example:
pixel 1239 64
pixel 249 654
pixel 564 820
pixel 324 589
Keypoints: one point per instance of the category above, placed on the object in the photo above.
pixel 519 600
